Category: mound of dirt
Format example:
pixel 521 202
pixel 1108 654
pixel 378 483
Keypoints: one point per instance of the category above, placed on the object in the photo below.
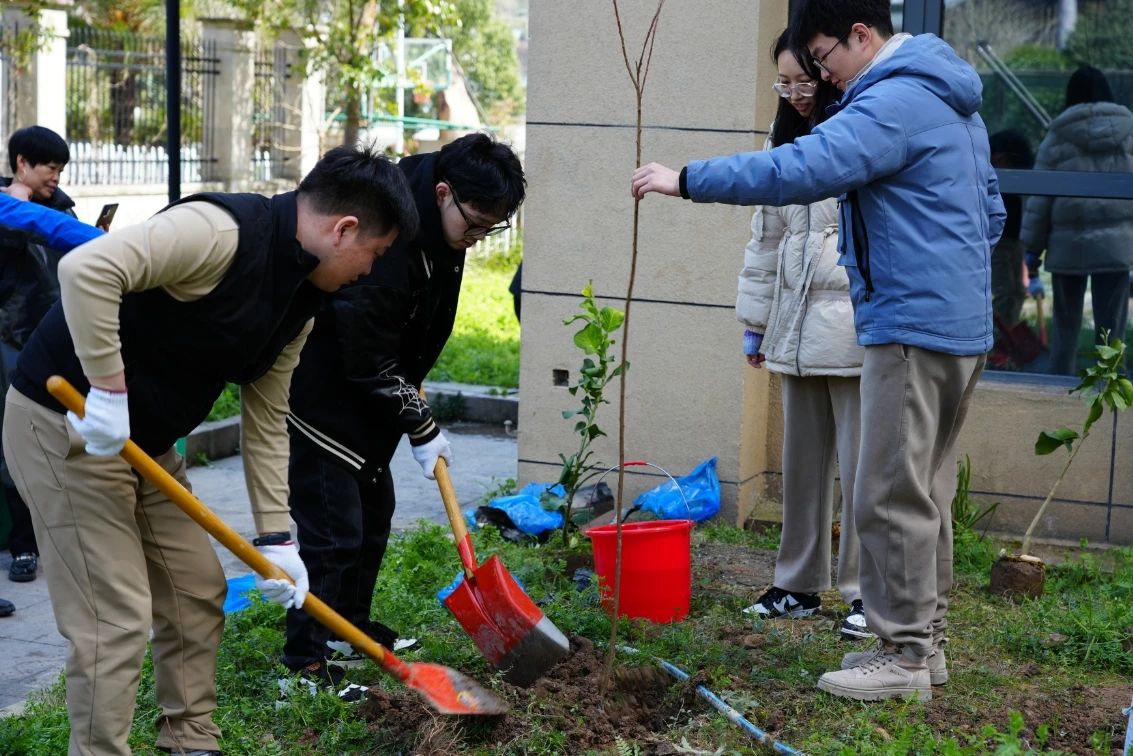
pixel 641 702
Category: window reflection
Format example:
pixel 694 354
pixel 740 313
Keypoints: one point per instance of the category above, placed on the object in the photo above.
pixel 1058 83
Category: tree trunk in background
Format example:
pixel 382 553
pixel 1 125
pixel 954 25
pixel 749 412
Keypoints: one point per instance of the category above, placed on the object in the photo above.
pixel 353 116
pixel 1067 20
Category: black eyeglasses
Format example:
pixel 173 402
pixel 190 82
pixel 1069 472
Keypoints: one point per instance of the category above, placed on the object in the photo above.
pixel 821 62
pixel 474 230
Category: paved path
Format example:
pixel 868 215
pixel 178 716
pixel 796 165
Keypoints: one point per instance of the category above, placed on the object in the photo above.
pixel 35 652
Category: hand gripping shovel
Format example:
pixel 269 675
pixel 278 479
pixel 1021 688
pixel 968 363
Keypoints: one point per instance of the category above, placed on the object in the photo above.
pixel 446 690
pixel 513 634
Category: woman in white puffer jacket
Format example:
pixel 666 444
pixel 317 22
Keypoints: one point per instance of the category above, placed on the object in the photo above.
pixel 794 299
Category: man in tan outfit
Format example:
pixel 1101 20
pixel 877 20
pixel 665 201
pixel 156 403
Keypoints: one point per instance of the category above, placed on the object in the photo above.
pixel 154 319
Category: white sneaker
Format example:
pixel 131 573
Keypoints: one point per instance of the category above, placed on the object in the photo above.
pixel 776 602
pixel 854 626
pixel 879 678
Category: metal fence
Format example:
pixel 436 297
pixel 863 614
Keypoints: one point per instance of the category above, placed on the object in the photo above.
pixel 116 97
pixel 270 115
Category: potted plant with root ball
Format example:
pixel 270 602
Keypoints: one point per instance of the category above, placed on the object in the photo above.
pixel 1104 386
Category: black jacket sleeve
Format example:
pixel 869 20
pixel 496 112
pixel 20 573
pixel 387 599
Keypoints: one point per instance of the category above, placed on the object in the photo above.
pixel 371 322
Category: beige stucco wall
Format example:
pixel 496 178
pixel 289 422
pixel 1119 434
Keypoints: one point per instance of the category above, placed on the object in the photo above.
pixel 690 395
pixel 685 390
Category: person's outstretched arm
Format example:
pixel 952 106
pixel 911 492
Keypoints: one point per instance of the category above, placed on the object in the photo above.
pixel 61 231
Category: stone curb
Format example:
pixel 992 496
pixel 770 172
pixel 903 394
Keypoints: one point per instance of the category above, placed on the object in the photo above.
pixel 221 438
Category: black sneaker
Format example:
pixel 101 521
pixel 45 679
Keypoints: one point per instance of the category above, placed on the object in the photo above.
pixel 23 568
pixel 318 675
pixel 854 626
pixel 341 653
pixel 777 602
pixel 6 607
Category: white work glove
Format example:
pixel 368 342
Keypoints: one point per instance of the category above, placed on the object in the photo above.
pixel 106 424
pixel 286 557
pixel 428 454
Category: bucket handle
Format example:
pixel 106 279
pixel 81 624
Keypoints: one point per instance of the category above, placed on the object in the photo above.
pixel 636 507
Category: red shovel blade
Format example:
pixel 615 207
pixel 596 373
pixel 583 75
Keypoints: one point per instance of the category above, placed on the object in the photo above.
pixel 511 632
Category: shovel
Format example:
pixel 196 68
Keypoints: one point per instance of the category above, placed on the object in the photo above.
pixel 513 634
pixel 446 690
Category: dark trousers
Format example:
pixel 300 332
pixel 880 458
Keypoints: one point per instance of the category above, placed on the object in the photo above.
pixel 343 526
pixel 21 539
pixel 1109 294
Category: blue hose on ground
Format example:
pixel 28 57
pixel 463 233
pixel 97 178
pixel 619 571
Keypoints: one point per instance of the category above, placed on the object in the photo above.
pixel 1129 730
pixel 718 703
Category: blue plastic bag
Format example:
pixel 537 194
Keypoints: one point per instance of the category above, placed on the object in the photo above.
pixel 536 489
pixel 525 511
pixel 701 488
pixel 235 600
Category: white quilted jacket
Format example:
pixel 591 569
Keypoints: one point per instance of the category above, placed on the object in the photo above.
pixel 793 291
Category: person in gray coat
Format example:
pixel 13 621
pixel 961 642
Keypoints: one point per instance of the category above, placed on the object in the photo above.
pixel 1085 239
pixel 794 299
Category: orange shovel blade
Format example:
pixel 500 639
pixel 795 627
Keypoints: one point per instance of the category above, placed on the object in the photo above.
pixel 451 692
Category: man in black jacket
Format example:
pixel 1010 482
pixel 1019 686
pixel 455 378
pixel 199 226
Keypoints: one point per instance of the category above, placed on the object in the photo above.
pixel 355 394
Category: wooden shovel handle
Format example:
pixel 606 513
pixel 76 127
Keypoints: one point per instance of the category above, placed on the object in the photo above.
pixel 62 390
pixel 452 509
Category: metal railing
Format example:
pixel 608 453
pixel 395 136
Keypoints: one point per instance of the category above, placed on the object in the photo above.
pixel 116 115
pixel 270 159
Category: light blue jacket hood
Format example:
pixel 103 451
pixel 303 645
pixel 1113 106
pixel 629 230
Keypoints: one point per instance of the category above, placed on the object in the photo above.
pixel 907 155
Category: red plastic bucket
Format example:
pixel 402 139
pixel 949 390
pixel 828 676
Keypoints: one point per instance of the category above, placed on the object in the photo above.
pixel 656 568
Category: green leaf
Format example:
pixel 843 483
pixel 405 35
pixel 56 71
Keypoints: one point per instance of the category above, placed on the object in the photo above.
pixel 1106 352
pixel 1049 441
pixel 1125 386
pixel 589 339
pixel 588 290
pixel 580 426
pixel 619 370
pixel 595 432
pixel 567 414
pixel 1096 408
pixel 611 318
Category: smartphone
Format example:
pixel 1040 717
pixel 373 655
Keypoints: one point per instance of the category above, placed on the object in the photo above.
pixel 106 217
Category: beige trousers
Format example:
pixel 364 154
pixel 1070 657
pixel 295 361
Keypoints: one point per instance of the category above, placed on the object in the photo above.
pixel 913 406
pixel 120 559
pixel 821 426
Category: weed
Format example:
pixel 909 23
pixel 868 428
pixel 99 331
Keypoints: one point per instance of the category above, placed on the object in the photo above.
pixel 447 408
pixel 227 404
pixel 966 513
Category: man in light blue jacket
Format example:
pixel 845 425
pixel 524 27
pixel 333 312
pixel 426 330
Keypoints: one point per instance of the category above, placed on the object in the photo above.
pixel 907 155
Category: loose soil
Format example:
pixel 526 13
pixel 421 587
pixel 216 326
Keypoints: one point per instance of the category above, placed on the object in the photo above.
pixel 644 702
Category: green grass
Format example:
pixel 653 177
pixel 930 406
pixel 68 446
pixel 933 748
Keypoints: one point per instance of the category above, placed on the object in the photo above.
pixel 484 346
pixel 1011 691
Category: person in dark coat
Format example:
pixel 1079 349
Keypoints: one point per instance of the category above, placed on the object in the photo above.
pixel 29 285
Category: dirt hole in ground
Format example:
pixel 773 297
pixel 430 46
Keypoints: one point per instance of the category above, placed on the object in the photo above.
pixel 565 704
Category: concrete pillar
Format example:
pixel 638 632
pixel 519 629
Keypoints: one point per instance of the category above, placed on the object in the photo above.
pixel 304 106
pixel 232 106
pixel 41 80
pixel 689 393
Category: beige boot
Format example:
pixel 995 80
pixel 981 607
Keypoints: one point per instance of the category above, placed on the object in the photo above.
pixel 937 662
